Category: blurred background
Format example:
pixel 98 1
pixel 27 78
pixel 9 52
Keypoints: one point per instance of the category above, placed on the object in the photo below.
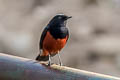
pixel 94 42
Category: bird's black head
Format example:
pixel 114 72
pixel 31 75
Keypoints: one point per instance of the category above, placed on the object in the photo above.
pixel 61 17
pixel 59 20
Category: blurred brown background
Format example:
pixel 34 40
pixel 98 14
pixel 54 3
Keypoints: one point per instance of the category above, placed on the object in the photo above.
pixel 94 43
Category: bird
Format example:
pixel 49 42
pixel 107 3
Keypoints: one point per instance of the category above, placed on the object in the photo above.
pixel 54 37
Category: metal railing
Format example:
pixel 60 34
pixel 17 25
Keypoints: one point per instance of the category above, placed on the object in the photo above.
pixel 17 68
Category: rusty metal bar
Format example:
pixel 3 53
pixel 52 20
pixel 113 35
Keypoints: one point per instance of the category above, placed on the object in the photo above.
pixel 17 68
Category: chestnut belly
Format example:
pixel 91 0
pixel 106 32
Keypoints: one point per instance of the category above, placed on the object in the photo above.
pixel 51 45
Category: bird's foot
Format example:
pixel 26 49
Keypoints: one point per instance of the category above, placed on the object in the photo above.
pixel 60 64
pixel 49 63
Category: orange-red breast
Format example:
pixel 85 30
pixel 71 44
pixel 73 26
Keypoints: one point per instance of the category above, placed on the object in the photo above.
pixel 53 38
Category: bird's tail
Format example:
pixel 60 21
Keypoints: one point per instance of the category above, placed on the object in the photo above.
pixel 42 58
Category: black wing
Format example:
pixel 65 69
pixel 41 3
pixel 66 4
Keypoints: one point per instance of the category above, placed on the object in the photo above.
pixel 42 37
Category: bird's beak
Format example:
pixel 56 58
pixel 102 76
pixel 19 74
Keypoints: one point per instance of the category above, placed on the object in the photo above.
pixel 69 17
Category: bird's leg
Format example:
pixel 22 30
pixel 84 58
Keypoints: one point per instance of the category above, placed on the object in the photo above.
pixel 49 62
pixel 40 51
pixel 60 61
